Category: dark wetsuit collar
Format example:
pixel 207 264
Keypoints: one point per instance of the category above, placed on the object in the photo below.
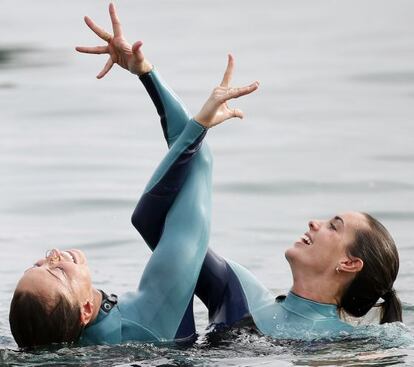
pixel 308 307
pixel 108 302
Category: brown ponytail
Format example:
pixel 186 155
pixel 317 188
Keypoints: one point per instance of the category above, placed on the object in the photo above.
pixel 391 307
pixel 376 248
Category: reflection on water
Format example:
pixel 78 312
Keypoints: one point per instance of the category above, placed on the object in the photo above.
pixel 10 55
pixel 330 129
pixel 7 85
pixel 309 187
pixel 387 77
pixel 409 158
pixel 47 207
pixel 27 57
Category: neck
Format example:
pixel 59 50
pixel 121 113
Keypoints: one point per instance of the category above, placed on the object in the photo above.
pixel 317 289
pixel 97 300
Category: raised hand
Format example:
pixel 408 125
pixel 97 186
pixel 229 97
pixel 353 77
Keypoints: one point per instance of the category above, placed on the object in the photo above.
pixel 120 51
pixel 216 110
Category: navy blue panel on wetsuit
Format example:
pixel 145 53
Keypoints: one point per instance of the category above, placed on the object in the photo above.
pixel 229 291
pixel 155 311
pixel 217 286
pixel 170 108
pixel 178 200
pixel 152 209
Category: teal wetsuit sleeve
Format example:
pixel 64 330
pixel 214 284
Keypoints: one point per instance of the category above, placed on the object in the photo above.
pixel 217 286
pixel 167 285
pixel 228 290
pixel 150 213
pixel 180 153
pixel 170 108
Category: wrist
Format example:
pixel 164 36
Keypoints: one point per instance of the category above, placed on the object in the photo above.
pixel 201 121
pixel 143 68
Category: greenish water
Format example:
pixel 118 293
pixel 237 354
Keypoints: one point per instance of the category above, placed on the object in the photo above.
pixel 329 130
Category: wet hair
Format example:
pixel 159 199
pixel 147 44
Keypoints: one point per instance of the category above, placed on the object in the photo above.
pixel 376 248
pixel 34 323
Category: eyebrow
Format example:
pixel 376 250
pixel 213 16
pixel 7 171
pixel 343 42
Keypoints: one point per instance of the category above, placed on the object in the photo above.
pixel 340 219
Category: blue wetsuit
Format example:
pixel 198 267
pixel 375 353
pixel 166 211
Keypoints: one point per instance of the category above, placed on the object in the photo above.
pixel 155 311
pixel 229 291
pixel 180 189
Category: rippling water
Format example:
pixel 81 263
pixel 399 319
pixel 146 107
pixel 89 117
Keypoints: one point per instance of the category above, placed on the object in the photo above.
pixel 330 130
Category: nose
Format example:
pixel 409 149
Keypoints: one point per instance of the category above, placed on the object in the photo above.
pixel 314 225
pixel 53 256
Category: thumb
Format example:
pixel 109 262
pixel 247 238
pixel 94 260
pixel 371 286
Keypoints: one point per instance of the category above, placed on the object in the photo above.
pixel 136 49
pixel 237 113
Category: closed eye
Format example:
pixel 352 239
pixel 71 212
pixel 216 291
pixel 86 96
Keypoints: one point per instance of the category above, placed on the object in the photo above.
pixel 332 226
pixel 61 269
pixel 56 275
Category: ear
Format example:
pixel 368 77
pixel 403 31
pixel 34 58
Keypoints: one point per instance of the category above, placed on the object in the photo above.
pixel 86 312
pixel 349 265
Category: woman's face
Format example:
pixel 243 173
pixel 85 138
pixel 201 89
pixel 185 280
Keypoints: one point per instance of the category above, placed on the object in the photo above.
pixel 325 245
pixel 60 272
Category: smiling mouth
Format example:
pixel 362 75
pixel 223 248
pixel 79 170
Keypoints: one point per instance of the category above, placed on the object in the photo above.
pixel 72 256
pixel 306 239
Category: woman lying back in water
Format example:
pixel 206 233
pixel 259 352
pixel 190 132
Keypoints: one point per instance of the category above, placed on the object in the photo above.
pixel 345 263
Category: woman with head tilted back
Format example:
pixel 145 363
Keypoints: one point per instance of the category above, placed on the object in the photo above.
pixel 345 263
pixel 55 300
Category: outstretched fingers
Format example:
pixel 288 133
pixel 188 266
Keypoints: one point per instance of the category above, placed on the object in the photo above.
pixel 229 71
pixel 105 69
pixel 93 50
pixel 238 92
pixel 99 31
pixel 116 24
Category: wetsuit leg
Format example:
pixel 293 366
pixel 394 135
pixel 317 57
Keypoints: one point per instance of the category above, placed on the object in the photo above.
pixel 168 282
pixel 220 290
pixel 151 210
pixel 218 286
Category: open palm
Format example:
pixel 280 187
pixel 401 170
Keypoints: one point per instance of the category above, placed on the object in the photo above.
pixel 119 49
pixel 216 109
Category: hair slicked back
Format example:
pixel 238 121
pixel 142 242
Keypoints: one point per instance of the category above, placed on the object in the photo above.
pixel 377 249
pixel 34 324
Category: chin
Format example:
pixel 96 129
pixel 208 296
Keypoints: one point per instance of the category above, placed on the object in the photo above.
pixel 296 256
pixel 290 254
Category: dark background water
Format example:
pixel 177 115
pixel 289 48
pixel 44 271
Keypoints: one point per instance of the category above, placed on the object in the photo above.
pixel 329 130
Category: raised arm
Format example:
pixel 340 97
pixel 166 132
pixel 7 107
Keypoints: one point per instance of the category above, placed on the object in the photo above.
pixel 181 190
pixel 149 215
pixel 174 213
pixel 117 47
pixel 171 110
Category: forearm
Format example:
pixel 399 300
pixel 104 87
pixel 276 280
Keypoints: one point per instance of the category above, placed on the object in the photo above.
pixel 171 110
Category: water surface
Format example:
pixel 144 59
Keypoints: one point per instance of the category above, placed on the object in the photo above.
pixel 329 130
